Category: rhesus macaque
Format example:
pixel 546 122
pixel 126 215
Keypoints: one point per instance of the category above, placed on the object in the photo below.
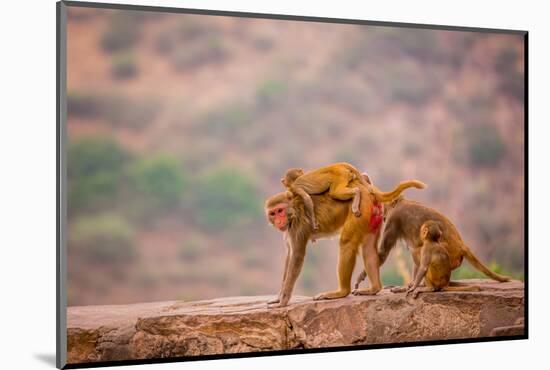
pixel 433 263
pixel 334 178
pixel 288 214
pixel 404 219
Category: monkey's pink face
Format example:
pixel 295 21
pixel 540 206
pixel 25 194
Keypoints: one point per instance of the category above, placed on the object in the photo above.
pixel 277 216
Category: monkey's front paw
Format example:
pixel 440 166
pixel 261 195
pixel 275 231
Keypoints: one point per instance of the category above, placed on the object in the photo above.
pixel 413 292
pixel 357 213
pixel 279 304
pixel 398 289
pixel 280 301
pixel 274 300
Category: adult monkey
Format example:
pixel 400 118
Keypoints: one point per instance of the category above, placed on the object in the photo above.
pixel 289 215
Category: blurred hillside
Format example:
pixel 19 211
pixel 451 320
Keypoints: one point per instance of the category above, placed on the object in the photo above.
pixel 181 125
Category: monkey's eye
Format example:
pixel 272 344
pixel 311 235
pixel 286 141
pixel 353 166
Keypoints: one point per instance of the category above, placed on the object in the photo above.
pixel 280 210
pixel 272 213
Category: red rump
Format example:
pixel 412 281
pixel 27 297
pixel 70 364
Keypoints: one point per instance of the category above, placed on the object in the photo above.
pixel 377 215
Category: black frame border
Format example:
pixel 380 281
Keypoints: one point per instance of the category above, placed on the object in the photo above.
pixel 61 176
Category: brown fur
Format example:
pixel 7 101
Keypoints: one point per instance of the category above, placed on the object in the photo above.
pixel 404 220
pixel 432 263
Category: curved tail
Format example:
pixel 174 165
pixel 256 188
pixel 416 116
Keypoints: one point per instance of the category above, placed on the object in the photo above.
pixel 390 196
pixel 471 257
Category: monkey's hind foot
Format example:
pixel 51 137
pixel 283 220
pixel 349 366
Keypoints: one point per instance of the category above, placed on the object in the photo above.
pixel 331 295
pixel 415 292
pixel 279 304
pixel 369 291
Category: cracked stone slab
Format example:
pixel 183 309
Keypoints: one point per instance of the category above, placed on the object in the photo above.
pixel 246 324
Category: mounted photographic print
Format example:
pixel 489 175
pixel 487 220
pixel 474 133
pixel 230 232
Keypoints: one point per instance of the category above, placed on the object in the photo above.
pixel 235 184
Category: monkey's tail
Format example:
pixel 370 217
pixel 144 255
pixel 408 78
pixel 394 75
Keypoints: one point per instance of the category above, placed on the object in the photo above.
pixel 471 257
pixel 390 196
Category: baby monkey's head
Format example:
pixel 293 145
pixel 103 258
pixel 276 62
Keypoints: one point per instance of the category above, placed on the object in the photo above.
pixel 291 175
pixel 430 230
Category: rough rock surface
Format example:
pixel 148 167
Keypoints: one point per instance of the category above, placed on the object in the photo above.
pixel 245 324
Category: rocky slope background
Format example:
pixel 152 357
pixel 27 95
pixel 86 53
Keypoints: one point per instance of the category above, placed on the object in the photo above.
pixel 180 125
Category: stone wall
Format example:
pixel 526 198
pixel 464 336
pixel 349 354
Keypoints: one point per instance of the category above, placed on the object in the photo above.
pixel 245 324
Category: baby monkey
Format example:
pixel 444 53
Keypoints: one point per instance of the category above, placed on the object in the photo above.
pixel 435 266
pixel 334 179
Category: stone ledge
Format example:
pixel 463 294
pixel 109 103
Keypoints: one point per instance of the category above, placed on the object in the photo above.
pixel 245 324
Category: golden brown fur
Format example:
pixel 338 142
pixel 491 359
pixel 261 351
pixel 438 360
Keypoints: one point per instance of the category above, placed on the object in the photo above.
pixel 334 179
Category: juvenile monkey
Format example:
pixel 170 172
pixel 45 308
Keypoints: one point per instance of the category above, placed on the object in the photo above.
pixel 434 265
pixel 404 219
pixel 334 178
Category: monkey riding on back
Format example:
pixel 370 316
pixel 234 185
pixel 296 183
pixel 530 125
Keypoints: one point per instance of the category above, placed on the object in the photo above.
pixel 290 215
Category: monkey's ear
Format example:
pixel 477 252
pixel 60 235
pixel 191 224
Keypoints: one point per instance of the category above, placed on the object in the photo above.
pixel 366 177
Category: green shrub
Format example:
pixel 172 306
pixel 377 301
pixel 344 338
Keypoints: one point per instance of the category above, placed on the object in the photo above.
pixel 124 66
pixel 159 180
pixel 94 171
pixel 390 276
pixel 466 271
pixel 485 145
pixel 118 110
pixel 105 239
pixel 226 198
pixel 269 92
pixel 122 31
